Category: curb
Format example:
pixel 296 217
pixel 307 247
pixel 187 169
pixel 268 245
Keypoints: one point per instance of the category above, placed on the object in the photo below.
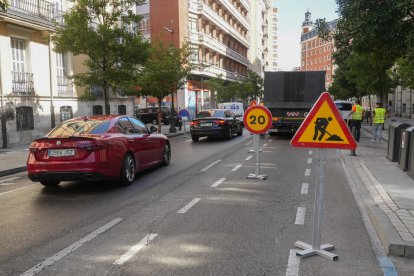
pixel 12 171
pixel 389 237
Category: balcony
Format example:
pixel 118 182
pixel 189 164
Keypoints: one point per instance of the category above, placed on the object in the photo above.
pixel 40 13
pixel 235 13
pixel 22 83
pixel 65 86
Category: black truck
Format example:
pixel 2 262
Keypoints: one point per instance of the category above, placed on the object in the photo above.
pixel 289 96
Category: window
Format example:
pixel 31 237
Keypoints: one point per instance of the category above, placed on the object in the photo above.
pixel 18 54
pixel 404 108
pixel 24 118
pixel 66 113
pixel 139 126
pixel 97 110
pixel 121 109
pixel 126 125
pixel 64 84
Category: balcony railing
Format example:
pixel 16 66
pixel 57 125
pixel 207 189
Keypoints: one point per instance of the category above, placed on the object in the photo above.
pixel 22 83
pixel 65 86
pixel 37 8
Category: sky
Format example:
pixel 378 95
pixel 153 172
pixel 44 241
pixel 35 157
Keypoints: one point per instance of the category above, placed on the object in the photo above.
pixel 291 14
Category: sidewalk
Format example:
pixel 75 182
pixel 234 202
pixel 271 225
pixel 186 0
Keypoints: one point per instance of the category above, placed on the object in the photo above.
pixel 13 160
pixel 386 191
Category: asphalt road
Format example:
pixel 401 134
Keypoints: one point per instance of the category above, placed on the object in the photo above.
pixel 198 216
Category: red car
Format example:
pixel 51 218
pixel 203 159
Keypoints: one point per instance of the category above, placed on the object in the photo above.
pixel 94 148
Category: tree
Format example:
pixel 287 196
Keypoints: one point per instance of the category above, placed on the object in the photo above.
pixel 105 32
pixel 165 70
pixel 4 5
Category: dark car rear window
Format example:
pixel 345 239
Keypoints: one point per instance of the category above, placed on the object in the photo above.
pixel 344 106
pixel 213 113
pixel 75 128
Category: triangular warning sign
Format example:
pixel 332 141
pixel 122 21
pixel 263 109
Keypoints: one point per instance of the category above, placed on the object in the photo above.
pixel 324 127
pixel 253 103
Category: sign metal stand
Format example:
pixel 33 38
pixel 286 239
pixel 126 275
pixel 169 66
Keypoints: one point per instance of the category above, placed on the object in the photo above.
pixel 256 174
pixel 316 247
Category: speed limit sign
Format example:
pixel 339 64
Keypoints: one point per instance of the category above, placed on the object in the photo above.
pixel 257 119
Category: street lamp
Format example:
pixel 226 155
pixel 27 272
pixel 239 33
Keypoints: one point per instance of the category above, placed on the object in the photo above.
pixel 172 116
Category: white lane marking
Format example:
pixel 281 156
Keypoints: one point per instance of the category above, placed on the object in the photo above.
pixel 6 184
pixel 248 157
pixel 9 179
pixel 189 205
pixel 218 182
pixel 16 189
pixel 293 264
pixel 188 140
pixel 66 251
pixel 305 188
pixel 248 143
pixel 211 165
pixel 309 161
pixel 307 172
pixel 265 145
pixel 300 216
pixel 310 152
pixel 270 140
pixel 134 250
pixel 236 168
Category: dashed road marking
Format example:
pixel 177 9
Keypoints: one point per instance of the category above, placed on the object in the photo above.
pixel 248 157
pixel 309 161
pixel 211 165
pixel 270 140
pixel 236 168
pixel 9 179
pixel 307 172
pixel 16 189
pixel 218 182
pixel 265 145
pixel 134 250
pixel 300 216
pixel 189 205
pixel 310 152
pixel 305 188
pixel 293 264
pixel 248 143
pixel 66 251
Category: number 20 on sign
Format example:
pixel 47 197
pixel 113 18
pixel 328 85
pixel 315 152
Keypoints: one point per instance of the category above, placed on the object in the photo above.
pixel 257 119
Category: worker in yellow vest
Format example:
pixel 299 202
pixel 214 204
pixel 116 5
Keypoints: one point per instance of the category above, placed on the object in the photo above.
pixel 380 115
pixel 356 116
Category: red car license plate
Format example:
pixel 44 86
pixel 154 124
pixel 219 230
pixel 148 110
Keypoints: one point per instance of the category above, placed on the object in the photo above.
pixel 61 152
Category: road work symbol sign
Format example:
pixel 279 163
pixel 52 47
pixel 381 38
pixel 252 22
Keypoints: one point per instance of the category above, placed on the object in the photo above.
pixel 324 127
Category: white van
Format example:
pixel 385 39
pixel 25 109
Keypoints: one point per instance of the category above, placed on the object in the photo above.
pixel 345 108
pixel 236 107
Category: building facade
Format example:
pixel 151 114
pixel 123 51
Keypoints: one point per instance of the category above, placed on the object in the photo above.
pixel 272 61
pixel 35 91
pixel 316 53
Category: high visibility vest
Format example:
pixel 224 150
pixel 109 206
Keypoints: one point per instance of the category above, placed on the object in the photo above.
pixel 379 115
pixel 357 115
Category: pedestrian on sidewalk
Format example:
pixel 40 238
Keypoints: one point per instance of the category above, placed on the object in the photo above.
pixel 389 108
pixel 356 116
pixel 380 115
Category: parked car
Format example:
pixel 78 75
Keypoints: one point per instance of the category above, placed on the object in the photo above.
pixel 149 115
pixel 345 108
pixel 105 147
pixel 215 123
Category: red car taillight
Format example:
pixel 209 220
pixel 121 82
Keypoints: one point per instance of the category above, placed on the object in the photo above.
pixel 193 123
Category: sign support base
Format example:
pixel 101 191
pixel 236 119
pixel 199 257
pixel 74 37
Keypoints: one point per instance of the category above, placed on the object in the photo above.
pixel 255 176
pixel 309 251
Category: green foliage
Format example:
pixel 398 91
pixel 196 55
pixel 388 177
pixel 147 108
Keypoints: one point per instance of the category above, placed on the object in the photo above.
pixel 4 5
pixel 104 31
pixel 245 89
pixel 165 70
pixel 370 37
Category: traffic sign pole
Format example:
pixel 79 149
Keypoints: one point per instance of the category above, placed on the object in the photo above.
pixel 256 174
pixel 316 248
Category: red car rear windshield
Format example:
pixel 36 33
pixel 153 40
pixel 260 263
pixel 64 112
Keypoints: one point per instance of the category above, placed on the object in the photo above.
pixel 75 128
